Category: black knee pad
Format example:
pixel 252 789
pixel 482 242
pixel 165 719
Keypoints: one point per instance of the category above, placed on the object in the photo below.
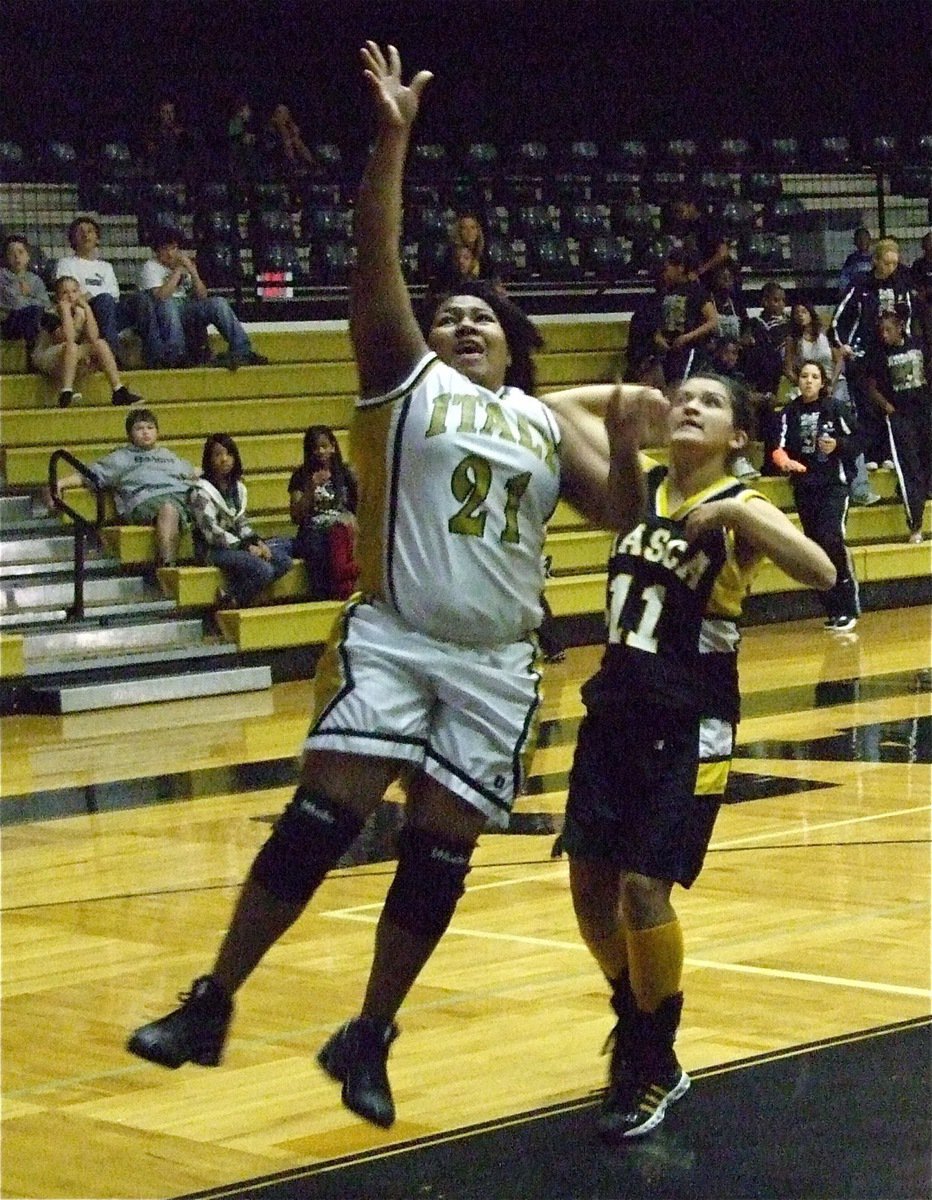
pixel 428 883
pixel 309 838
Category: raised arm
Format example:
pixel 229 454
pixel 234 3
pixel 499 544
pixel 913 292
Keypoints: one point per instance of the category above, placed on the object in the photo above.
pixel 386 338
pixel 601 430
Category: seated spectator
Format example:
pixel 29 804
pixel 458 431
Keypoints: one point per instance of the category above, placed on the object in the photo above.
pixel 896 382
pixel 166 143
pixel 858 261
pixel 467 235
pixel 323 497
pixel 23 296
pixel 69 345
pixel 99 282
pixel 222 535
pixel 182 308
pixel 284 148
pixel 150 483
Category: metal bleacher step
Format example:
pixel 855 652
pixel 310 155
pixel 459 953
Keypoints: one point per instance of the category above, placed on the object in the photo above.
pixel 118 594
pixel 96 647
pixel 118 693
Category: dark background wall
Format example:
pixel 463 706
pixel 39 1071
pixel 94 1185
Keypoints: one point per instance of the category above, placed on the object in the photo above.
pixel 85 69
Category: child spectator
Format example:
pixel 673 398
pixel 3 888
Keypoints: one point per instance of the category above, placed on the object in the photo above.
pixel 72 346
pixel 222 535
pixel 99 282
pixel 323 497
pixel 811 451
pixel 762 359
pixel 23 295
pixel 182 309
pixel 149 482
pixel 897 384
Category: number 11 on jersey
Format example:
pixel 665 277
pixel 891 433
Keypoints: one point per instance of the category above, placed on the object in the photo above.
pixel 650 603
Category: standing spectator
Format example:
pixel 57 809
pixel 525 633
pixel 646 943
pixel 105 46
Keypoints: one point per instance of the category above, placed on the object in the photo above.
pixel 731 310
pixel 222 534
pixel 700 235
pixel 71 344
pixel 99 282
pixel 921 272
pixel 182 308
pixel 859 261
pixel 885 288
pixel 467 235
pixel 166 143
pixel 322 501
pixel 242 147
pixel 896 381
pixel 811 451
pixel 681 315
pixel 661 712
pixel 807 341
pixel 150 483
pixel 23 296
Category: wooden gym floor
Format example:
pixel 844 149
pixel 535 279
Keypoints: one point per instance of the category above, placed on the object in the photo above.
pixel 126 834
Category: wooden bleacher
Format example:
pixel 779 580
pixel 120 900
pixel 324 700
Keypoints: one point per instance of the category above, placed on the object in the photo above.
pixel 311 379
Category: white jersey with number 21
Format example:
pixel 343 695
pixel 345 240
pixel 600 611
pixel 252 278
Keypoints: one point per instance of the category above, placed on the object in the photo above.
pixel 457 484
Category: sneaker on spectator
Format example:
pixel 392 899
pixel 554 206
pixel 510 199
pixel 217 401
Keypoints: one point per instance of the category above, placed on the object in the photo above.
pixel 866 500
pixel 915 538
pixel 887 464
pixel 870 466
pixel 841 624
pixel 65 397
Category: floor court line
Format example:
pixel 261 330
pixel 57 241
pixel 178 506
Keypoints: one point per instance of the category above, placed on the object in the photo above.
pixel 703 963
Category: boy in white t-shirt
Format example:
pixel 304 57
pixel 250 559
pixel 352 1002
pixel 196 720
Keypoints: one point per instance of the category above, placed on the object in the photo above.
pixel 182 309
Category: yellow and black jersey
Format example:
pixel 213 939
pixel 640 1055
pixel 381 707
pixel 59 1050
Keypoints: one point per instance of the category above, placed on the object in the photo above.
pixel 672 609
pixel 457 484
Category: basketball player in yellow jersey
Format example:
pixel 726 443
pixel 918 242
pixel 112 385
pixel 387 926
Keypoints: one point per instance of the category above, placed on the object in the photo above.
pixel 655 744
pixel 430 672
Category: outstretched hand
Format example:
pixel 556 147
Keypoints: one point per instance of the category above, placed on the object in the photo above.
pixel 396 103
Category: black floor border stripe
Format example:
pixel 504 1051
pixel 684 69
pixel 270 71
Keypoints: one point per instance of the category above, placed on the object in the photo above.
pixel 265 774
pixel 585 1101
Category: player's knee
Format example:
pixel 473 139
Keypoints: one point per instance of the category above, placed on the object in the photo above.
pixel 308 840
pixel 428 883
pixel 643 899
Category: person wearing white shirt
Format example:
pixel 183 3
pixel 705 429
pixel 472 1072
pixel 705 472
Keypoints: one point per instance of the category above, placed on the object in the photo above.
pixel 98 282
pixel 182 309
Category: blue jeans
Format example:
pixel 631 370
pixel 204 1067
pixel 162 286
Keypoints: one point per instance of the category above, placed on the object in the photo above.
pixel 23 323
pixel 178 330
pixel 246 574
pixel 114 315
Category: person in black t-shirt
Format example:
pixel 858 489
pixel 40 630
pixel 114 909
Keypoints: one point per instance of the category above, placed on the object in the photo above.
pixel 921 272
pixel 677 322
pixel 896 382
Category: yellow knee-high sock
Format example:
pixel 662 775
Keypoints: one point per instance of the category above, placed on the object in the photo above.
pixel 655 963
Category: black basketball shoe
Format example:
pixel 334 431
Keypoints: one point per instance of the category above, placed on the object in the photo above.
pixel 356 1056
pixel 195 1032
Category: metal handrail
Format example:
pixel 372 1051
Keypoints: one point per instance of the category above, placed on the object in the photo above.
pixel 82 525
